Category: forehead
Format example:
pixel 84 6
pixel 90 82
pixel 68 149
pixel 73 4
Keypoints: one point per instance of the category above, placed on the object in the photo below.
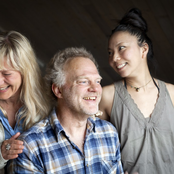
pixel 4 65
pixel 122 36
pixel 80 66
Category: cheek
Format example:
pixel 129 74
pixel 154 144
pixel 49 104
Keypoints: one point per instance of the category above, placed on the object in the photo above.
pixel 132 53
pixel 99 92
pixel 127 54
pixel 16 79
pixel 100 88
pixel 111 62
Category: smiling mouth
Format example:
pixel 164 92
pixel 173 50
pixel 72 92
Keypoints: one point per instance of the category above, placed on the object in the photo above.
pixel 121 66
pixel 3 88
pixel 90 98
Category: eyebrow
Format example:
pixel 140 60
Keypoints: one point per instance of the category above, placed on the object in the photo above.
pixel 4 70
pixel 85 77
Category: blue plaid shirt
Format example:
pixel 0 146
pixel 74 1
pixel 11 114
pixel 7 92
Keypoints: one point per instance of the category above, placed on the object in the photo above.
pixel 48 149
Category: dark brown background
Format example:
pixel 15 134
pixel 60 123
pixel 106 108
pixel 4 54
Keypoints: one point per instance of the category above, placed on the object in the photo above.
pixel 52 25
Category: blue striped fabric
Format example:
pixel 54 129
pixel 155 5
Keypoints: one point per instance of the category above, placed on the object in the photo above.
pixel 49 150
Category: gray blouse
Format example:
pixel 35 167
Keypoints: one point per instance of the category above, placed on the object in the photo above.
pixel 147 145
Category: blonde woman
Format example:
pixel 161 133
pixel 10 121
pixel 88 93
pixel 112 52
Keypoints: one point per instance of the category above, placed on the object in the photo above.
pixel 22 97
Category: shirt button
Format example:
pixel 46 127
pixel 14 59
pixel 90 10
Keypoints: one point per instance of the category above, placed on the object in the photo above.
pixel 87 165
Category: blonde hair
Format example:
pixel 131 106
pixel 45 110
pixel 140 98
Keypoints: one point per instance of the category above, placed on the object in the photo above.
pixel 16 51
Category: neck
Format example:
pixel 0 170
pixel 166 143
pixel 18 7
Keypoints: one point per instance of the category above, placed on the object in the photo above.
pixel 74 128
pixel 13 103
pixel 13 100
pixel 71 122
pixel 139 80
pixel 138 83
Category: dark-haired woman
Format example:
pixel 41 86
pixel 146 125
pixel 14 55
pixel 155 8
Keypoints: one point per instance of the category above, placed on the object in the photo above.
pixel 140 106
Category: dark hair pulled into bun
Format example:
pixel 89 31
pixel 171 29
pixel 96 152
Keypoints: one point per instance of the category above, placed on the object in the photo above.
pixel 134 18
pixel 136 25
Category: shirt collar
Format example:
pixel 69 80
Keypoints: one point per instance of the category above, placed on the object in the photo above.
pixel 91 124
pixel 57 127
pixel 54 122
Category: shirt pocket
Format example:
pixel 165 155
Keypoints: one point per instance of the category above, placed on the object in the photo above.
pixel 110 166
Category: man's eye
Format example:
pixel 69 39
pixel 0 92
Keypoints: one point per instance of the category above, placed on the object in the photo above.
pixel 83 82
pixel 121 47
pixel 98 81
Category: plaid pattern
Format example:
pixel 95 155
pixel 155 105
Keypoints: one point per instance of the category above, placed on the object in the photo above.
pixel 49 150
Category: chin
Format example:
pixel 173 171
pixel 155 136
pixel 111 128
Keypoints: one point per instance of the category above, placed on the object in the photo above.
pixel 91 113
pixel 123 75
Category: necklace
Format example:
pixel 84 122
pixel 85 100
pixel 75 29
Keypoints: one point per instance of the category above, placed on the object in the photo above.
pixel 138 88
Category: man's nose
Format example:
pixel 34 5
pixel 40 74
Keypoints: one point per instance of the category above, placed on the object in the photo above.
pixel 94 87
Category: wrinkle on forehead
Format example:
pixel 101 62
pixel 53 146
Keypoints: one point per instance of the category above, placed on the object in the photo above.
pixel 81 67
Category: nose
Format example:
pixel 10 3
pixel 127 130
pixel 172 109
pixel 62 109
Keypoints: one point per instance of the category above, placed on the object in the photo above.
pixel 116 57
pixel 1 79
pixel 94 87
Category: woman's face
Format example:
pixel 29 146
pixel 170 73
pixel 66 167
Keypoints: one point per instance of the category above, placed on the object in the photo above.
pixel 125 55
pixel 10 83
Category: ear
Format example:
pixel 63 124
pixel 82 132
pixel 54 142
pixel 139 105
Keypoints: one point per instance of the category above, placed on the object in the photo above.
pixel 145 49
pixel 57 91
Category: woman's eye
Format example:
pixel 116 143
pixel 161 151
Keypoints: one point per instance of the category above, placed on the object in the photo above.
pixel 110 53
pixel 7 74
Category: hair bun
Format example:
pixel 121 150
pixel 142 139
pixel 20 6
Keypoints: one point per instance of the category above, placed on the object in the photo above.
pixel 135 19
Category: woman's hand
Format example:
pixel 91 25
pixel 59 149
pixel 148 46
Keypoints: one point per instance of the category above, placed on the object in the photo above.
pixel 11 148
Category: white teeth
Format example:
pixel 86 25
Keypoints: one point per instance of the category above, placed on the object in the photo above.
pixel 89 98
pixel 3 88
pixel 120 66
pixel 92 98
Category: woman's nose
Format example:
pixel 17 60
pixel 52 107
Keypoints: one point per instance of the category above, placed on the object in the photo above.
pixel 116 57
pixel 1 79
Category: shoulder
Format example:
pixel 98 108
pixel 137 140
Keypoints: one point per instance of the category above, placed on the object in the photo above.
pixel 108 90
pixel 35 132
pixel 105 104
pixel 105 126
pixel 170 88
pixel 106 130
pixel 107 95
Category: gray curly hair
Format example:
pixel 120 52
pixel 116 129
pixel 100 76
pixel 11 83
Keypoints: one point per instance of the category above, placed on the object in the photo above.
pixel 55 73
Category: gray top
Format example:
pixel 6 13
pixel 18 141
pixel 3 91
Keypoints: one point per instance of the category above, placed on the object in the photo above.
pixel 147 145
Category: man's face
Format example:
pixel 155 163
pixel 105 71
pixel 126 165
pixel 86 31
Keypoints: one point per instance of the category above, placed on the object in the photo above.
pixel 82 90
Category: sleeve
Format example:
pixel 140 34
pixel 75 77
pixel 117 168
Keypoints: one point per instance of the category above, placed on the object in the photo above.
pixel 118 157
pixel 113 164
pixel 3 162
pixel 26 163
pixel 118 169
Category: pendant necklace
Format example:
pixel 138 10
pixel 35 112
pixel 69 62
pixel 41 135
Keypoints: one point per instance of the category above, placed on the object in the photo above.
pixel 138 88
